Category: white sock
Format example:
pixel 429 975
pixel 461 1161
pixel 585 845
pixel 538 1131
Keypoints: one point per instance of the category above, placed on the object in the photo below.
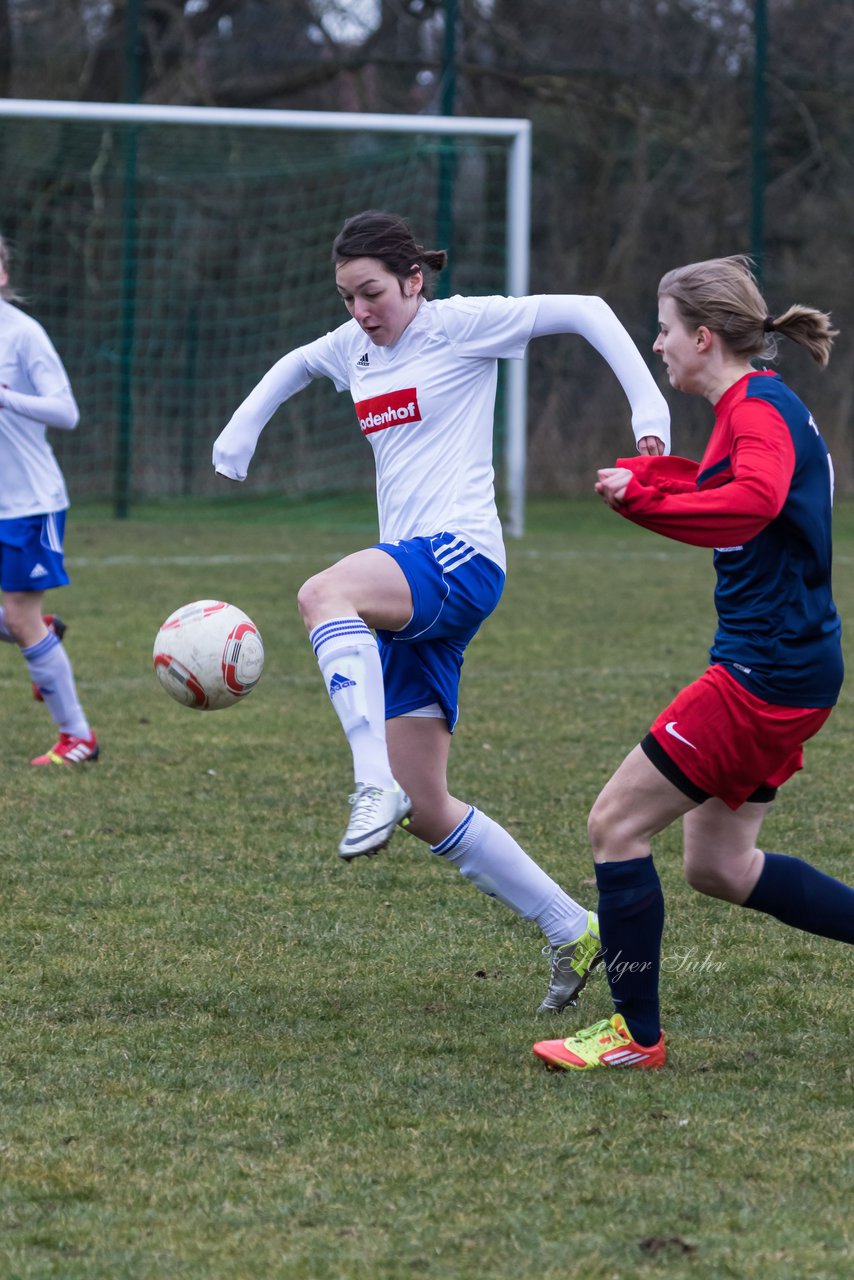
pixel 5 633
pixel 50 669
pixel 349 661
pixel 490 858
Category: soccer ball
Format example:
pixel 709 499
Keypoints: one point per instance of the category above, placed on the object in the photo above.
pixel 208 655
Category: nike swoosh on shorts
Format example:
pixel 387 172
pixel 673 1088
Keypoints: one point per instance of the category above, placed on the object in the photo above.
pixel 671 729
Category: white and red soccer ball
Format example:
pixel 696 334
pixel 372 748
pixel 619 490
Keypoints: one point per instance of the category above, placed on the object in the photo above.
pixel 208 655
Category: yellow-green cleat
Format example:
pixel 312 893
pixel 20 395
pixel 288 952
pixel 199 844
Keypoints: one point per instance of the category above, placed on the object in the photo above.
pixel 606 1044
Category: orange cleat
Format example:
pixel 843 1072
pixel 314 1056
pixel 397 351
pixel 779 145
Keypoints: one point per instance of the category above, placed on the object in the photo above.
pixel 605 1044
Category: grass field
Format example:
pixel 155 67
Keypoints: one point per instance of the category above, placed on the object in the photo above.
pixel 226 1054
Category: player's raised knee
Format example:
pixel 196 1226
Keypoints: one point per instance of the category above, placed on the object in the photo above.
pixel 612 829
pixel 312 600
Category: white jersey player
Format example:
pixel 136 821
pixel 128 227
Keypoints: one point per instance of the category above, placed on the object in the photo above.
pixel 390 624
pixel 35 394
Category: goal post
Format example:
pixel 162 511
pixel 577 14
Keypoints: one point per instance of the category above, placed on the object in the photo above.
pixel 174 253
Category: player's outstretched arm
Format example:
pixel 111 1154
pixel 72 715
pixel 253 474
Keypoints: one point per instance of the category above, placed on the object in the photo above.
pixel 236 443
pixel 593 319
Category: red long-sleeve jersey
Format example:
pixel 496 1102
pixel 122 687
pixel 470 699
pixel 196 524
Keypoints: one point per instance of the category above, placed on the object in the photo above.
pixel 762 497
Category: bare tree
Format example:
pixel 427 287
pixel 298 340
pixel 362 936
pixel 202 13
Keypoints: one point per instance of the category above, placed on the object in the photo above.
pixel 644 149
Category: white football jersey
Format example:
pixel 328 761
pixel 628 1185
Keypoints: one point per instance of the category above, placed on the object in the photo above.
pixel 31 482
pixel 426 404
pixel 426 407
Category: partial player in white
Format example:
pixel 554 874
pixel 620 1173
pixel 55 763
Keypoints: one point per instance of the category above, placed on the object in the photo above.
pixel 35 394
pixel 390 624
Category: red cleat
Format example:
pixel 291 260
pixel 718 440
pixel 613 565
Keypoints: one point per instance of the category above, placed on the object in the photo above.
pixel 605 1044
pixel 71 750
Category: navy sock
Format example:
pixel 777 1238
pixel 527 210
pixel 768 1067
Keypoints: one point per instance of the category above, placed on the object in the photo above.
pixel 631 922
pixel 795 893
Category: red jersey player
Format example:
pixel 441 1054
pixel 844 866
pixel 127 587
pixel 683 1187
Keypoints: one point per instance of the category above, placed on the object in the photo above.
pixel 761 496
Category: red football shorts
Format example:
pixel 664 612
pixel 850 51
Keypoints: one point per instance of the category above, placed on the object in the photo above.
pixel 729 743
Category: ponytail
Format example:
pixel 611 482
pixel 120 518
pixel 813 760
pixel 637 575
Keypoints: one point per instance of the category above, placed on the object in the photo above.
pixel 809 328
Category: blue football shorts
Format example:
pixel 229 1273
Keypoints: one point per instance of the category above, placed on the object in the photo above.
pixel 454 589
pixel 31 556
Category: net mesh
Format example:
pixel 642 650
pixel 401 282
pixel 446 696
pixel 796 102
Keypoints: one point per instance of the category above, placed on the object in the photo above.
pixel 172 265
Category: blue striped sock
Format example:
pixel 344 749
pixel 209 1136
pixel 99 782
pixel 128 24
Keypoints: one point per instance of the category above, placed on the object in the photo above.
pixel 50 669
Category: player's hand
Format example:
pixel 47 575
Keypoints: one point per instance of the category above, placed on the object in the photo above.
pixel 651 446
pixel 612 484
pixel 232 453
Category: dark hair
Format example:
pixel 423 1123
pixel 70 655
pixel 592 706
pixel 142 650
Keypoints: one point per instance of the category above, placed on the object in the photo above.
pixel 388 238
pixel 722 294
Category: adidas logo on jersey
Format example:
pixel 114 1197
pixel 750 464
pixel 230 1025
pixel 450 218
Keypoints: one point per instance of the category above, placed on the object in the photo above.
pixel 39 571
pixel 338 682
pixel 363 362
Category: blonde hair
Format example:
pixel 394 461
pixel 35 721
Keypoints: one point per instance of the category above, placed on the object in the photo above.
pixel 722 294
pixel 7 291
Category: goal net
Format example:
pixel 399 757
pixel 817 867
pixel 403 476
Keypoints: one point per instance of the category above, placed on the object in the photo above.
pixel 174 254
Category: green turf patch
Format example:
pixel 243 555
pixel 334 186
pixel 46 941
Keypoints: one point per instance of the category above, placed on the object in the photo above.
pixel 225 1054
